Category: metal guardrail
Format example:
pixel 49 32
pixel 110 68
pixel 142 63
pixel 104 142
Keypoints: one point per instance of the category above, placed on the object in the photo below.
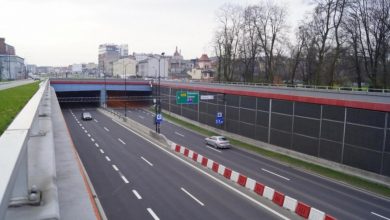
pixel 303 87
pixel 13 154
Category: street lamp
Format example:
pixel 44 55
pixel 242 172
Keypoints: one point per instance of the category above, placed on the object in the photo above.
pixel 158 104
pixel 125 67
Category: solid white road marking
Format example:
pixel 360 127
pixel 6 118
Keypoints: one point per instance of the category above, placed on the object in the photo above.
pixel 193 197
pixel 213 149
pixel 120 140
pixel 275 174
pixel 124 179
pixel 141 117
pixel 136 194
pixel 208 175
pixel 155 217
pixel 96 144
pixel 108 159
pixel 106 129
pixel 95 120
pixel 115 168
pixel 147 161
pixel 381 216
pixel 177 133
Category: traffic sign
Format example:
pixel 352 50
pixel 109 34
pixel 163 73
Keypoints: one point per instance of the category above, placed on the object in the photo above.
pixel 219 119
pixel 206 97
pixel 159 118
pixel 184 97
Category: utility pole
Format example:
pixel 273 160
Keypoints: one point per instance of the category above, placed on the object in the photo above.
pixel 158 101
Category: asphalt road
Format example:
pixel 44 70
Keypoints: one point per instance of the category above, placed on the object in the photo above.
pixel 137 180
pixel 336 199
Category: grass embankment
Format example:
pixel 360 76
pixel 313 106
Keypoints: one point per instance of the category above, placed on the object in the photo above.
pixel 336 175
pixel 12 100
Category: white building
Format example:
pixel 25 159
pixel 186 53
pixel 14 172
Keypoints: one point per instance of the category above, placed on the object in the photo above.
pixel 77 68
pixel 12 67
pixel 123 50
pixel 150 68
pixel 125 67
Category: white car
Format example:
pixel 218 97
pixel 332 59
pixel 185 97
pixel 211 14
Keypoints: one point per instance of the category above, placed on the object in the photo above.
pixel 86 116
pixel 218 142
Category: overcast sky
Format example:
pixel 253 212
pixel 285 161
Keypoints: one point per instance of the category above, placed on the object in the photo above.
pixel 64 32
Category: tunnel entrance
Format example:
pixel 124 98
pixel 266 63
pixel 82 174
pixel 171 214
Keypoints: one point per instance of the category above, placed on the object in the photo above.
pixel 115 99
pixel 131 99
pixel 79 99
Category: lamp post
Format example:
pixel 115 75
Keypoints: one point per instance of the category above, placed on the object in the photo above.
pixel 158 103
pixel 125 67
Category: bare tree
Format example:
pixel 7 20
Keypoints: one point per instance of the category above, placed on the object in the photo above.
pixel 270 21
pixel 227 38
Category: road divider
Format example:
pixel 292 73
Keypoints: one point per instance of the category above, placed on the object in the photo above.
pixel 278 198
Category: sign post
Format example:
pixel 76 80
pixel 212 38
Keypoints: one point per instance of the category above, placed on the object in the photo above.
pixel 219 119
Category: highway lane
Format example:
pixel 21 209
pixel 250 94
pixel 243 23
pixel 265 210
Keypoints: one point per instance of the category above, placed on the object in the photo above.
pixel 136 180
pixel 336 199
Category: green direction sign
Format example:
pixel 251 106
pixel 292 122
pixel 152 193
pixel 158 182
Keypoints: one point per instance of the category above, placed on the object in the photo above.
pixel 183 97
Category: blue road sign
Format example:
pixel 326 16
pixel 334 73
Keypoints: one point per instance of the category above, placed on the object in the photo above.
pixel 219 120
pixel 159 118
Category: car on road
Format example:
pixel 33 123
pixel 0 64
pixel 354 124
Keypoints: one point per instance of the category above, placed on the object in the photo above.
pixel 218 141
pixel 86 116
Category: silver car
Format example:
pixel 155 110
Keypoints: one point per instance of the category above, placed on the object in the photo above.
pixel 218 142
pixel 86 116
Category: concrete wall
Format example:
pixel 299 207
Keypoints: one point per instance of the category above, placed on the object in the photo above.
pixel 355 137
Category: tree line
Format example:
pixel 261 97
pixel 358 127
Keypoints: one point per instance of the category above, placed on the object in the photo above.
pixel 341 42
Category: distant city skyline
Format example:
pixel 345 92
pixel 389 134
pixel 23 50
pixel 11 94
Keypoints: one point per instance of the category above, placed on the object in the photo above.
pixel 64 32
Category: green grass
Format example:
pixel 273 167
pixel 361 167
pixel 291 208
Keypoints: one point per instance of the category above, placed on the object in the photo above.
pixel 12 101
pixel 335 175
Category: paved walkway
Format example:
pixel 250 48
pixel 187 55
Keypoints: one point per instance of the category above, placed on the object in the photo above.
pixel 10 84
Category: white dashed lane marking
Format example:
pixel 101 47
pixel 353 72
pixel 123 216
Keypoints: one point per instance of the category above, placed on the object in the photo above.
pixel 275 174
pixel 136 194
pixel 177 133
pixel 108 159
pixel 102 151
pixel 96 144
pixel 106 129
pixel 95 120
pixel 380 216
pixel 120 140
pixel 155 217
pixel 193 197
pixel 115 167
pixel 147 161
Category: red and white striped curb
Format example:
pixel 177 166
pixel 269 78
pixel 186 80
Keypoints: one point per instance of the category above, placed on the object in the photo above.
pixel 276 197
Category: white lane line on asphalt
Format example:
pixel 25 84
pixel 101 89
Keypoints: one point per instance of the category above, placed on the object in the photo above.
pixel 141 117
pixel 193 197
pixel 80 125
pixel 106 129
pixel 85 131
pixel 93 140
pixel 89 135
pixel 213 149
pixel 95 120
pixel 136 194
pixel 209 175
pixel 102 151
pixel 147 161
pixel 108 159
pixel 155 217
pixel 115 168
pixel 275 174
pixel 124 179
pixel 381 216
pixel 96 144
pixel 82 128
pixel 120 140
pixel 177 133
